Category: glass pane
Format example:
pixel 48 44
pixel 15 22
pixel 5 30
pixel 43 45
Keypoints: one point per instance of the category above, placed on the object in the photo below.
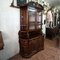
pixel 32 13
pixel 39 17
pixel 39 26
pixel 31 27
pixel 32 17
pixel 38 20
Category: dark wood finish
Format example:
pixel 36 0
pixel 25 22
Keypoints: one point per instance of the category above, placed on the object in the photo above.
pixel 1 41
pixel 31 46
pixel 51 32
pixel 31 39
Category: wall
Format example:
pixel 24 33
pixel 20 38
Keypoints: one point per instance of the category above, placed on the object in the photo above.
pixel 44 24
pixel 9 25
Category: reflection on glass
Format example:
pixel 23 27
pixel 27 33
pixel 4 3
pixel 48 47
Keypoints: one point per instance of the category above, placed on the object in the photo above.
pixel 39 17
pixel 31 27
pixel 32 17
pixel 39 26
pixel 32 14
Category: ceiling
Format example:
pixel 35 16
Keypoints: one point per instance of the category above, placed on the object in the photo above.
pixel 53 2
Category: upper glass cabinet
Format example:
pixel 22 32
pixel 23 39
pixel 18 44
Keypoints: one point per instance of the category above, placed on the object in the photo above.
pixel 34 18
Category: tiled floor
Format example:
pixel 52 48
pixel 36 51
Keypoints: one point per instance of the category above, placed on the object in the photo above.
pixel 50 52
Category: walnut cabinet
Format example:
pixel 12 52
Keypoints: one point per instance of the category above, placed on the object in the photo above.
pixel 31 39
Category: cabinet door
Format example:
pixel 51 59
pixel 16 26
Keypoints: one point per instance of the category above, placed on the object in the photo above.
pixel 32 18
pixel 24 46
pixel 39 20
pixel 36 44
pixel 33 44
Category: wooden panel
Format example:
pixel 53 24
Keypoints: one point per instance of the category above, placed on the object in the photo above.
pixel 31 46
pixel 23 17
pixel 1 41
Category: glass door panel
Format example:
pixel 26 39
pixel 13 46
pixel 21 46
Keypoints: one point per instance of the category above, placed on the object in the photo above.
pixel 38 26
pixel 32 18
pixel 38 20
